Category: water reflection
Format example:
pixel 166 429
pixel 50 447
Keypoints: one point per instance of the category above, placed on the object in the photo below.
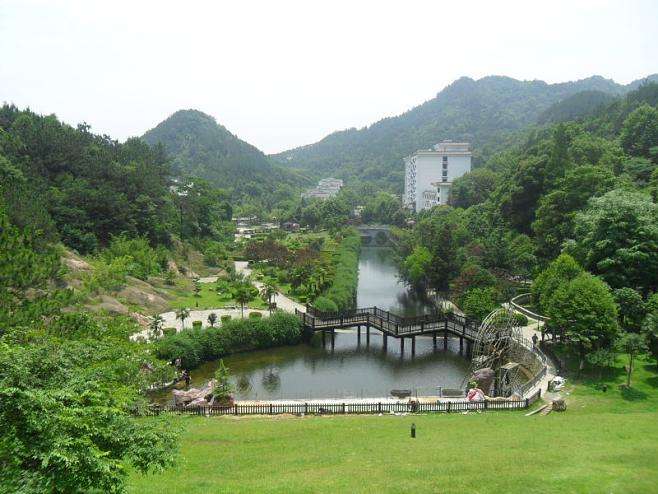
pixel 352 366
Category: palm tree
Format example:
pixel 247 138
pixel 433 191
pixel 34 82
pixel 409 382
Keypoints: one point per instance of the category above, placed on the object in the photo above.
pixel 156 326
pixel 182 314
pixel 212 319
pixel 268 291
pixel 243 294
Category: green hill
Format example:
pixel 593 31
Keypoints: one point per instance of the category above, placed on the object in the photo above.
pixel 200 147
pixel 485 112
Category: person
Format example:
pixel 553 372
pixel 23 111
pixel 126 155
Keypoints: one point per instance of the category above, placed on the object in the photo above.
pixel 534 340
pixel 186 376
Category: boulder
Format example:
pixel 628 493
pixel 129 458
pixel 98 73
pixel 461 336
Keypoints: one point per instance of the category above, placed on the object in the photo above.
pixel 484 379
pixel 184 397
pixel 559 405
pixel 198 402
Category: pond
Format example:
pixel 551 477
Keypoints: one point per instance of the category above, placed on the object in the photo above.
pixel 351 368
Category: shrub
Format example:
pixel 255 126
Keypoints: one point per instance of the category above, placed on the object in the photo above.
pixel 520 319
pixel 343 288
pixel 143 260
pixel 168 331
pixel 197 324
pixel 324 304
pixel 225 318
pixel 197 345
pixel 255 315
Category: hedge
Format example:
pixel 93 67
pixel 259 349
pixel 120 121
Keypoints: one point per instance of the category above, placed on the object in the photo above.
pixel 342 291
pixel 194 346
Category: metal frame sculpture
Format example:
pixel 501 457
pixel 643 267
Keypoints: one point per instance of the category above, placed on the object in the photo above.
pixel 501 347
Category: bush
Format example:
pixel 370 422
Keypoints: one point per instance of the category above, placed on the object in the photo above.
pixel 197 324
pixel 168 331
pixel 143 260
pixel 255 315
pixel 225 318
pixel 323 304
pixel 520 319
pixel 195 346
pixel 342 291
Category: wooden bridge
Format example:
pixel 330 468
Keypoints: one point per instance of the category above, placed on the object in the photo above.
pixel 390 324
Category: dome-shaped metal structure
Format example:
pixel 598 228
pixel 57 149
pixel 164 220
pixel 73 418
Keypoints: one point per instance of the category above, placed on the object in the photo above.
pixel 500 346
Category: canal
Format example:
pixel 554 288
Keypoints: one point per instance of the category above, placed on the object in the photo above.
pixel 350 369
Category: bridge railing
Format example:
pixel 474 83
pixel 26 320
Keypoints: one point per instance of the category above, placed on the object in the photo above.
pixel 391 322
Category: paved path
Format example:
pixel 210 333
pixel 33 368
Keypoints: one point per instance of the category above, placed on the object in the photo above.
pixel 282 302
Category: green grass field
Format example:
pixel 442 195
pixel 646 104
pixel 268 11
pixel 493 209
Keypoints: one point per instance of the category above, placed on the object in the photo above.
pixel 208 298
pixel 606 442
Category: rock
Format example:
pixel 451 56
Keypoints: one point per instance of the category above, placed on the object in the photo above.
pixel 182 397
pixel 475 394
pixel 198 402
pixel 559 405
pixel 484 378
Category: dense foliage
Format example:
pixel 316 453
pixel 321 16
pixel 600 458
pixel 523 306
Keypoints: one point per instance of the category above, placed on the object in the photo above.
pixel 342 291
pixel 69 383
pixel 86 189
pixel 194 346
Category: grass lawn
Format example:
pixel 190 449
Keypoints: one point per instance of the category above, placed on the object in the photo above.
pixel 208 298
pixel 605 442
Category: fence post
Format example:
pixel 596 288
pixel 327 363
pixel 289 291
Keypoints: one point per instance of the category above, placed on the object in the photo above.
pixel 527 402
pixel 270 409
pixel 236 408
pixel 380 407
pixel 305 408
pixel 343 407
pixel 486 404
pixel 448 408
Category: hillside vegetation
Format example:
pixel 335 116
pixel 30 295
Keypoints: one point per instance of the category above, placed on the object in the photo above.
pixel 200 147
pixel 484 112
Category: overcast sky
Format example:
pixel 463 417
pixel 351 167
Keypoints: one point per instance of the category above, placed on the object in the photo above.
pixel 281 73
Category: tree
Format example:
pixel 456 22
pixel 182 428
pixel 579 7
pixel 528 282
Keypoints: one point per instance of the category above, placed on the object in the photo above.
pixel 268 292
pixel 585 309
pixel 640 131
pixel 243 293
pixel 632 344
pixel 212 319
pixel 25 273
pixel 559 272
pixel 156 326
pixel 223 388
pixel 473 188
pixel 557 209
pixel 479 302
pixel 602 358
pixel 631 308
pixel 182 314
pixel 617 238
pixel 416 266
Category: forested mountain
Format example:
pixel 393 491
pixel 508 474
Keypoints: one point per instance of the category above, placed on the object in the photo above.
pixel 200 147
pixel 485 112
pixel 579 105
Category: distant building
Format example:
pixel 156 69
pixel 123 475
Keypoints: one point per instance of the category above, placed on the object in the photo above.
pixel 327 187
pixel 429 173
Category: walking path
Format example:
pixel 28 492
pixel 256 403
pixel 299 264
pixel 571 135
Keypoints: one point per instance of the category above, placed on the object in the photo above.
pixel 282 302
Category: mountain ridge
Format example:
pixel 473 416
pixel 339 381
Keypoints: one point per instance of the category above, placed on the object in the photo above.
pixel 199 146
pixel 480 111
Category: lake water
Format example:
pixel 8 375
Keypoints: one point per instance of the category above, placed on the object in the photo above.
pixel 351 368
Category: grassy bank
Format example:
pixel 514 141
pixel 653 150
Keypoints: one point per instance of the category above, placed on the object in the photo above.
pixel 605 442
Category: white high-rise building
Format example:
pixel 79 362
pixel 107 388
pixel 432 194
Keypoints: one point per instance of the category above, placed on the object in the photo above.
pixel 429 173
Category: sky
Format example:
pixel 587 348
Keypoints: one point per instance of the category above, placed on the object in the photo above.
pixel 281 73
